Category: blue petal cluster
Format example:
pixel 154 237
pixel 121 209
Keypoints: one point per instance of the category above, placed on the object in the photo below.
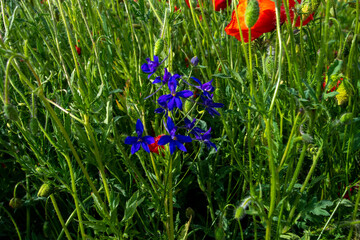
pixel 138 141
pixel 172 101
pixel 174 140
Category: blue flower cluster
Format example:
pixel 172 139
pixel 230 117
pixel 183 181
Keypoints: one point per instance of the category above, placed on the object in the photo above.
pixel 171 102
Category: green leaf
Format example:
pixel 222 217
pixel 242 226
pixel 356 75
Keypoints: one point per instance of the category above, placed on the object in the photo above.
pixel 131 206
pixel 221 75
pixel 334 67
pixel 319 208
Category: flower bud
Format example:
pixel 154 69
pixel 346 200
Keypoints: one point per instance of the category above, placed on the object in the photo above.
pixel 11 112
pixel 252 13
pixel 269 65
pixel 159 46
pixel 15 202
pixel 46 190
pixel 194 61
pixel 346 118
pixel 240 211
pixel 219 233
pixel 46 229
pixel 33 125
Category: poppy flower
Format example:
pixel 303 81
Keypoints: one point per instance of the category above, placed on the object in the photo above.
pixel 78 50
pixel 265 23
pixel 298 20
pixel 221 4
pixel 154 147
pixel 188 3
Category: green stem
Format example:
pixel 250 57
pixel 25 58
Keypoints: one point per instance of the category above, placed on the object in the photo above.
pixel 58 213
pixel 97 156
pixel 13 221
pixel 170 200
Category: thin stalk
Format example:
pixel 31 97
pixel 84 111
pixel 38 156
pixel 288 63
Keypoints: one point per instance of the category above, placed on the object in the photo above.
pixel 289 142
pixel 170 200
pixel 252 95
pixel 28 197
pixel 13 221
pixel 304 185
pixel 97 155
pixel 72 46
pixel 323 50
pixel 58 213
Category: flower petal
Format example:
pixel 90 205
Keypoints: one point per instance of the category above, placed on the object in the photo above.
pixel 172 146
pixel 178 103
pixel 163 99
pixel 172 84
pixel 131 140
pixel 196 80
pixel 135 147
pixel 148 139
pixel 183 139
pixel 145 68
pixel 164 140
pixel 184 94
pixel 145 147
pixel 170 124
pixel 157 80
pixel 172 104
pixel 139 128
pixel 180 146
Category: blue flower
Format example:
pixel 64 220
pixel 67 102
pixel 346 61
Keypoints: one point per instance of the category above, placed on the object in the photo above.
pixel 205 138
pixel 138 141
pixel 163 108
pixel 210 105
pixel 194 61
pixel 206 88
pixel 190 126
pixel 167 77
pixel 173 99
pixel 151 66
pixel 173 139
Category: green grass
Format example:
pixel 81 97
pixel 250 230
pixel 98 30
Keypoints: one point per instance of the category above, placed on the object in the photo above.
pixel 285 148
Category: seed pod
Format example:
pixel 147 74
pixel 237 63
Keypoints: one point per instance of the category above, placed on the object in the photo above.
pixel 252 13
pixel 219 233
pixel 188 105
pixel 189 212
pixel 46 229
pixel 46 190
pixel 269 65
pixel 33 125
pixel 15 202
pixel 240 210
pixel 159 46
pixel 11 112
pixel 346 118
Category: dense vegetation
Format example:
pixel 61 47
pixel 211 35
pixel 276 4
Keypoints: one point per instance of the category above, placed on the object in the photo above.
pixel 161 120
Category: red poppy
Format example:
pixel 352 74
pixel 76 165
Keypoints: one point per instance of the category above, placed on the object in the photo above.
pixel 221 4
pixel 154 147
pixel 292 9
pixel 265 23
pixel 188 3
pixel 78 50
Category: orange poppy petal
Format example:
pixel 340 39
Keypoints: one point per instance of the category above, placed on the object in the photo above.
pixel 265 23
